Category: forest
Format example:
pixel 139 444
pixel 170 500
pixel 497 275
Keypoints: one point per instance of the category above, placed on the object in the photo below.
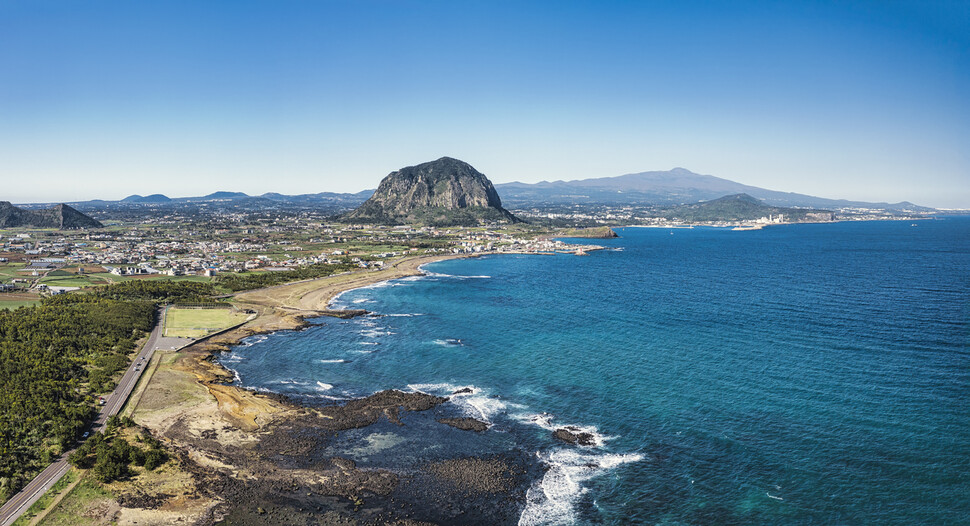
pixel 56 357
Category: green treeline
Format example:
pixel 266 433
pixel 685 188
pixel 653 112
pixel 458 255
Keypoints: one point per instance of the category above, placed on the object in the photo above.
pixel 160 291
pixel 110 456
pixel 257 280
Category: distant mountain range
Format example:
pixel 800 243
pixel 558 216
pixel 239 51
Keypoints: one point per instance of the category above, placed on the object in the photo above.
pixel 324 200
pixel 677 186
pixel 59 216
pixel 672 187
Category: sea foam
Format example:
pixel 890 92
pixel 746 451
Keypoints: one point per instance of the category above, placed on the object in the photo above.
pixel 552 499
pixel 477 403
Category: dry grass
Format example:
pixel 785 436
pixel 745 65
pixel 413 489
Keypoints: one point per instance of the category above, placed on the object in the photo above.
pixel 195 323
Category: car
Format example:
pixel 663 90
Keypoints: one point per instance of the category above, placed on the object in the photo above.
pixel 85 435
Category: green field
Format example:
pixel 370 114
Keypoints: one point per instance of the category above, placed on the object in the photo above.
pixel 72 281
pixel 17 303
pixel 195 323
pixel 9 271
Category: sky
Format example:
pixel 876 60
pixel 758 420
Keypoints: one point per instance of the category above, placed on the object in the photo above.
pixel 856 100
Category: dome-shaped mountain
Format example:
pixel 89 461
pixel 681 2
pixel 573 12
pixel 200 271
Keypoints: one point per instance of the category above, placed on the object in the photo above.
pixel 442 192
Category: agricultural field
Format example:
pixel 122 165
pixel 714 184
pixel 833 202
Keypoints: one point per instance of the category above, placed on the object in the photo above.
pixel 73 280
pixel 196 323
pixel 9 271
pixel 13 300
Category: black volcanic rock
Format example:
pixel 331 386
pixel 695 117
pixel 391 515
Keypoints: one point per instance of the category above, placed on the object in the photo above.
pixel 60 216
pixel 572 435
pixel 465 423
pixel 442 192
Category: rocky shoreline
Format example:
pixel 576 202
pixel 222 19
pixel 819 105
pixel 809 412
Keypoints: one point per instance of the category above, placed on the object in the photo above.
pixel 256 458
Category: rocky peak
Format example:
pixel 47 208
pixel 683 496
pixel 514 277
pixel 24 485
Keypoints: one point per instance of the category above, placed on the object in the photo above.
pixel 444 191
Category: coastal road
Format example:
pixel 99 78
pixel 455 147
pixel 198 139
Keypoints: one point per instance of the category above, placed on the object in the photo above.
pixel 20 502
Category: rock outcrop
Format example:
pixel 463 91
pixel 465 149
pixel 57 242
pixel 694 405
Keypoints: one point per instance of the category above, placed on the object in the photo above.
pixel 441 193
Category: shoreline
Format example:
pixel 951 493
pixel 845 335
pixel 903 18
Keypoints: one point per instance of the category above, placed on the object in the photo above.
pixel 238 450
pixel 223 434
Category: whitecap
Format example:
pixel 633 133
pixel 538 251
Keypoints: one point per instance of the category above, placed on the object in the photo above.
pixel 454 276
pixel 449 342
pixel 324 387
pixel 552 499
pixel 252 340
pixel 374 333
pixel 545 421
pixel 472 401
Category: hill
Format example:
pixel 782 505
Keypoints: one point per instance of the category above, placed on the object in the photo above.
pixel 675 186
pixel 60 216
pixel 147 199
pixel 442 192
pixel 224 195
pixel 738 207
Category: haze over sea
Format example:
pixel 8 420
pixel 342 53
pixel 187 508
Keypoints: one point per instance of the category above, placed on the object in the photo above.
pixel 804 374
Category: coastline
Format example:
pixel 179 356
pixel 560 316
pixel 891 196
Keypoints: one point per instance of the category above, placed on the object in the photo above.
pixel 245 456
pixel 243 453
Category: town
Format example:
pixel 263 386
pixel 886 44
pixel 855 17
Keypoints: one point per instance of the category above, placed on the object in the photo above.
pixel 36 262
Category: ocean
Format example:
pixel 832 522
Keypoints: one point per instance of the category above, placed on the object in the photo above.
pixel 799 374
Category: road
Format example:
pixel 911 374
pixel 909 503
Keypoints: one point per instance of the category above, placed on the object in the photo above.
pixel 20 502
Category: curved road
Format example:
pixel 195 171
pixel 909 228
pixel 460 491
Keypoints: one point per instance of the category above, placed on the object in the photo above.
pixel 20 502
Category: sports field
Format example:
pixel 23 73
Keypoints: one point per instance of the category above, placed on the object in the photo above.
pixel 195 323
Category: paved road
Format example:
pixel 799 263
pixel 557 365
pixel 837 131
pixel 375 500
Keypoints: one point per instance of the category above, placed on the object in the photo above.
pixel 20 502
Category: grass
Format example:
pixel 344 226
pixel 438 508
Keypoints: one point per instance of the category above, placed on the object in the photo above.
pixel 73 509
pixel 9 270
pixel 47 498
pixel 16 304
pixel 68 281
pixel 195 323
pixel 108 277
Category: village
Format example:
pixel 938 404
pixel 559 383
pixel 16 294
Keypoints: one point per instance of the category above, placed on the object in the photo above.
pixel 37 262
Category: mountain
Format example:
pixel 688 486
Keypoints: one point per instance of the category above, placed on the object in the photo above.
pixel 675 186
pixel 739 207
pixel 60 216
pixel 148 199
pixel 442 192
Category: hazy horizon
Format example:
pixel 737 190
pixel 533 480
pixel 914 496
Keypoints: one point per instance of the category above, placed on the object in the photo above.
pixel 862 101
pixel 254 194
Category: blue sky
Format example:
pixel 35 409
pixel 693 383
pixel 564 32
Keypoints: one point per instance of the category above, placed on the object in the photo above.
pixel 864 100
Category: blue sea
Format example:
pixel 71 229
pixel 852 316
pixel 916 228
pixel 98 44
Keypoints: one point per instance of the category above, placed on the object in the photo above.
pixel 799 374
